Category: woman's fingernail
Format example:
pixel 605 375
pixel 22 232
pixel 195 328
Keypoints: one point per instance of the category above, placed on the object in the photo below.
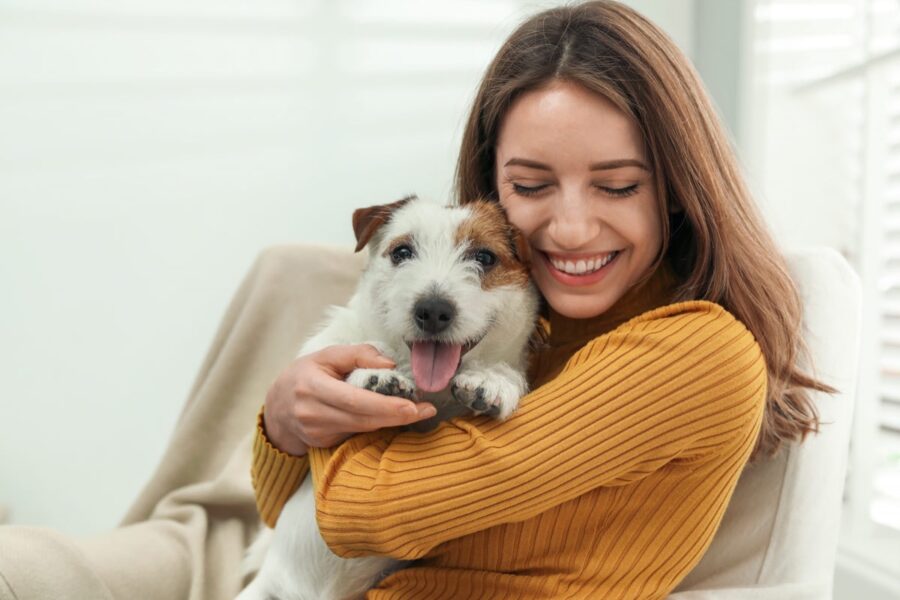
pixel 427 411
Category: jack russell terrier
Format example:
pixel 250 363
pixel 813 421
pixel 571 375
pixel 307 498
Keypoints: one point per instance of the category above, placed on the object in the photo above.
pixel 447 296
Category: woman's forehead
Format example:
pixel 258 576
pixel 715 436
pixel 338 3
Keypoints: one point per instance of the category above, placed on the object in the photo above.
pixel 563 121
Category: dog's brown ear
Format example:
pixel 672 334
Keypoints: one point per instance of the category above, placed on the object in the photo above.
pixel 366 221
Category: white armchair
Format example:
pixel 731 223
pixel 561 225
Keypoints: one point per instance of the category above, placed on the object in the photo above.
pixel 779 535
pixel 183 535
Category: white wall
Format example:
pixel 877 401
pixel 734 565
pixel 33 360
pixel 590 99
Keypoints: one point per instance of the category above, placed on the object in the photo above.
pixel 148 151
pixel 797 141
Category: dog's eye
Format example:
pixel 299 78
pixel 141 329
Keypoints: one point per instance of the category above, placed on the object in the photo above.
pixel 401 253
pixel 486 258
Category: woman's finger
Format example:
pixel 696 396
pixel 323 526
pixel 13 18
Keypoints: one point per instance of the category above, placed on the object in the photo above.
pixel 343 359
pixel 351 399
pixel 330 419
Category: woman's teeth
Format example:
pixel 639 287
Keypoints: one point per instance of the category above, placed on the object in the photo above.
pixel 582 267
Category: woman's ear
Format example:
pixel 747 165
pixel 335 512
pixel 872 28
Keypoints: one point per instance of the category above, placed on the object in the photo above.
pixel 367 221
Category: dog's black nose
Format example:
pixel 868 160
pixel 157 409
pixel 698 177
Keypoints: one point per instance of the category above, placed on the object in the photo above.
pixel 433 315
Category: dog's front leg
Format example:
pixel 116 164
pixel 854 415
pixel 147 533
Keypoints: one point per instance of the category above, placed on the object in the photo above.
pixel 492 390
pixel 384 381
pixel 390 382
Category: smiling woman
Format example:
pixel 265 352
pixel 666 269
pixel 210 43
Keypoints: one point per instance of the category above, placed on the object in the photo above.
pixel 666 365
pixel 572 175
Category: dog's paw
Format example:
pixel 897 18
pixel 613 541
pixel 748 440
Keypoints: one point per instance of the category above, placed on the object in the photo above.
pixel 487 392
pixel 383 381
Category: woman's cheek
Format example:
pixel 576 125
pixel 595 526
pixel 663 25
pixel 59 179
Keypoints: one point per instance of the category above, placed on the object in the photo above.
pixel 513 211
pixel 523 214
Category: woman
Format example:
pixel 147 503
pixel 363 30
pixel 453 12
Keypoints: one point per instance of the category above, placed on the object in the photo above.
pixel 673 340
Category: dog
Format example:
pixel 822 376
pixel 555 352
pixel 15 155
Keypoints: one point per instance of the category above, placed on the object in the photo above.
pixel 447 296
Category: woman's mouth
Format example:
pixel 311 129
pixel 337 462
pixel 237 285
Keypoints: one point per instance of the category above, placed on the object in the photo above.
pixel 581 271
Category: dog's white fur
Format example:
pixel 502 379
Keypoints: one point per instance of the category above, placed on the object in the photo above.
pixel 298 564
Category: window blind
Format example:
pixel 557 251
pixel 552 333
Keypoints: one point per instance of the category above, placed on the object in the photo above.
pixel 840 60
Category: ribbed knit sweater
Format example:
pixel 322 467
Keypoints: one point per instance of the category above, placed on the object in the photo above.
pixel 608 482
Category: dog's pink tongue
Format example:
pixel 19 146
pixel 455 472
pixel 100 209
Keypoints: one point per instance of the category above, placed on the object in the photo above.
pixel 434 364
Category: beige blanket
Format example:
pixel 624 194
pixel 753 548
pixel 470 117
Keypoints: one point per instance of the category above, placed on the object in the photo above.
pixel 185 534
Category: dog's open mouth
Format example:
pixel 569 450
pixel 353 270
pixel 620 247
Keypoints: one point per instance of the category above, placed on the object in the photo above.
pixel 435 363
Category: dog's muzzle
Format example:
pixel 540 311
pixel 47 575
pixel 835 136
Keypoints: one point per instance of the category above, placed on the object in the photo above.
pixel 434 363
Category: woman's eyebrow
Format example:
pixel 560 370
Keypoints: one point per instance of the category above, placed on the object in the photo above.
pixel 524 162
pixel 599 166
pixel 616 164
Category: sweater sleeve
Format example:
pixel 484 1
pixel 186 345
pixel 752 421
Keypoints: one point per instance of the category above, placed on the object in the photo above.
pixel 684 382
pixel 275 474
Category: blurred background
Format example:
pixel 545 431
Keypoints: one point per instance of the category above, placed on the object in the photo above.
pixel 150 150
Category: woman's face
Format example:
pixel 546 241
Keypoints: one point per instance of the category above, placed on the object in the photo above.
pixel 572 175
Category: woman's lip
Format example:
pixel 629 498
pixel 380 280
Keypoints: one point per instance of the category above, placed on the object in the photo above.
pixel 578 256
pixel 578 280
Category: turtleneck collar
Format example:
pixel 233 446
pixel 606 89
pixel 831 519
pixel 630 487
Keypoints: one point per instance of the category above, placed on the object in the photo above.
pixel 655 292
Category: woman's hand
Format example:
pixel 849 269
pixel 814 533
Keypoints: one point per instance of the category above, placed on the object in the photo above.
pixel 310 405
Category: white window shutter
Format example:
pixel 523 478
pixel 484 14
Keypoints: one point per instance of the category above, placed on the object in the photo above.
pixel 841 60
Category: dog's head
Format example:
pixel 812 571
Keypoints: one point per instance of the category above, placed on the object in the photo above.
pixel 445 280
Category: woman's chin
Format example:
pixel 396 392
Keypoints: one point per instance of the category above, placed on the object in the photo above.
pixel 578 308
pixel 572 301
pixel 575 305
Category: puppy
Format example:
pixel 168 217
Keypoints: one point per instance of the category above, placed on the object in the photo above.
pixel 446 295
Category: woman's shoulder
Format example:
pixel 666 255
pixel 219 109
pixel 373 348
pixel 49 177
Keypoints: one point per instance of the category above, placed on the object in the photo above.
pixel 702 349
pixel 688 318
pixel 696 336
pixel 694 358
pixel 686 307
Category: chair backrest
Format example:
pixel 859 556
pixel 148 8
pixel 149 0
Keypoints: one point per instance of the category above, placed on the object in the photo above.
pixel 781 527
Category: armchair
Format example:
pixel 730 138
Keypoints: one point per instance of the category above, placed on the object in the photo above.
pixel 184 535
pixel 779 536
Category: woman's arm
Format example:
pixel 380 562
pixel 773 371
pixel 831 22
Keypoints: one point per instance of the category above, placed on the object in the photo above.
pixel 276 475
pixel 684 382
pixel 310 405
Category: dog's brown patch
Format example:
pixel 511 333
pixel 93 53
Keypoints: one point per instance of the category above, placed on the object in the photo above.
pixel 367 221
pixel 488 228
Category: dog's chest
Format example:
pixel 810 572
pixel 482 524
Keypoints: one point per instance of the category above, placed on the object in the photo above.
pixel 447 408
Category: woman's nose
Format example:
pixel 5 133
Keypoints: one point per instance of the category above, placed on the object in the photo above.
pixel 572 226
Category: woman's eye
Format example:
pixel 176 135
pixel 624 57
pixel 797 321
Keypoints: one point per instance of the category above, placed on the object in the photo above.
pixel 524 190
pixel 485 258
pixel 620 192
pixel 401 253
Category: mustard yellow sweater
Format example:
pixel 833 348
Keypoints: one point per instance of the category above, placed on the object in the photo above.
pixel 608 482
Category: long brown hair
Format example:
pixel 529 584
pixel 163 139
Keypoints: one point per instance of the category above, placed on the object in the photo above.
pixel 713 236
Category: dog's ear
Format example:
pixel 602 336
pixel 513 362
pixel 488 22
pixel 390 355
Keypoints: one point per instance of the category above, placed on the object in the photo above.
pixel 366 221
